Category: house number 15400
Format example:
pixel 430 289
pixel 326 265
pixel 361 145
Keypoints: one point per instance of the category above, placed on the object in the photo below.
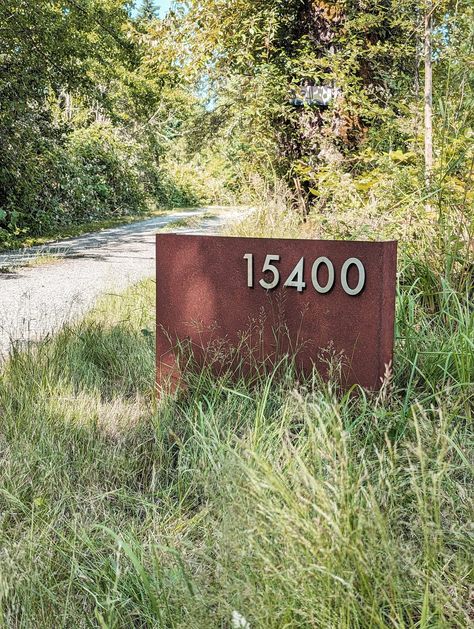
pixel 296 277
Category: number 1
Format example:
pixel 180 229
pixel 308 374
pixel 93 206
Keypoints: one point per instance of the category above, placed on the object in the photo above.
pixel 249 258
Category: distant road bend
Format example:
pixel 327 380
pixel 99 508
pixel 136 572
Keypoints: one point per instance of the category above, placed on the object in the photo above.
pixel 37 300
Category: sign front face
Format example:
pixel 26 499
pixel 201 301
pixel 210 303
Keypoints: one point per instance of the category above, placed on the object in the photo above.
pixel 244 303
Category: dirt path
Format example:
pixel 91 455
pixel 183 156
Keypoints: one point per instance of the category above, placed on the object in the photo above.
pixel 36 301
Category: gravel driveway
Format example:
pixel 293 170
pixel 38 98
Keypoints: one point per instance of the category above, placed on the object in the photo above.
pixel 35 301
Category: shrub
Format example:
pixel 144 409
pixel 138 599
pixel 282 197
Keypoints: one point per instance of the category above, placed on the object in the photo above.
pixel 92 174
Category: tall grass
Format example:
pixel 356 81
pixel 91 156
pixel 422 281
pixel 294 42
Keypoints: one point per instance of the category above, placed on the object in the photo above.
pixel 277 506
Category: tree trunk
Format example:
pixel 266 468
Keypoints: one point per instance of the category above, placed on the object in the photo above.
pixel 428 98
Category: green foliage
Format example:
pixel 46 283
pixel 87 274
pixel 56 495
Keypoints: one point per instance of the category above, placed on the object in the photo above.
pixel 86 116
pixel 95 173
pixel 91 176
pixel 49 51
pixel 147 10
pixel 371 52
pixel 198 106
pixel 256 62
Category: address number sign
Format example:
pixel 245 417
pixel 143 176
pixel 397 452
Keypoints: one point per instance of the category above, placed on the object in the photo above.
pixel 296 278
pixel 244 303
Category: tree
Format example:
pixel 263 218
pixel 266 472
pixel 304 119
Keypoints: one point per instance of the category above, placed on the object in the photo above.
pixel 147 11
pixel 428 92
pixel 259 53
pixel 50 49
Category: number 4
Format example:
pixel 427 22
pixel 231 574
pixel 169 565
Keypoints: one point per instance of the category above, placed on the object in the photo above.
pixel 295 279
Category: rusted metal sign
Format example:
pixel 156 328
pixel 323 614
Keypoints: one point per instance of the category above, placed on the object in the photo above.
pixel 244 303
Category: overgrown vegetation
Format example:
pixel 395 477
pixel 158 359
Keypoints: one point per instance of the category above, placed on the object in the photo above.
pixel 92 115
pixel 109 109
pixel 285 503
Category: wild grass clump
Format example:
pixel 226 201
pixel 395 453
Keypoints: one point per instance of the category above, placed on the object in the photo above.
pixel 276 214
pixel 284 504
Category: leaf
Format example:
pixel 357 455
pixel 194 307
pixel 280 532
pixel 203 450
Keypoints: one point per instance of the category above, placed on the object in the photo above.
pixel 402 158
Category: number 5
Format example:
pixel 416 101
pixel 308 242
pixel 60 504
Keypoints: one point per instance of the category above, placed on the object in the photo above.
pixel 272 268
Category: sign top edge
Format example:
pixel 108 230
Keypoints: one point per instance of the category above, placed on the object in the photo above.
pixel 214 236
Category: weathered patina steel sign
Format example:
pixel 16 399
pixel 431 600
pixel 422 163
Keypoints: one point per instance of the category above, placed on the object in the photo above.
pixel 241 304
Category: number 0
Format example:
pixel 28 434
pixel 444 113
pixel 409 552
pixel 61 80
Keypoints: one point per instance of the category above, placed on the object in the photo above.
pixel 344 272
pixel 314 275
